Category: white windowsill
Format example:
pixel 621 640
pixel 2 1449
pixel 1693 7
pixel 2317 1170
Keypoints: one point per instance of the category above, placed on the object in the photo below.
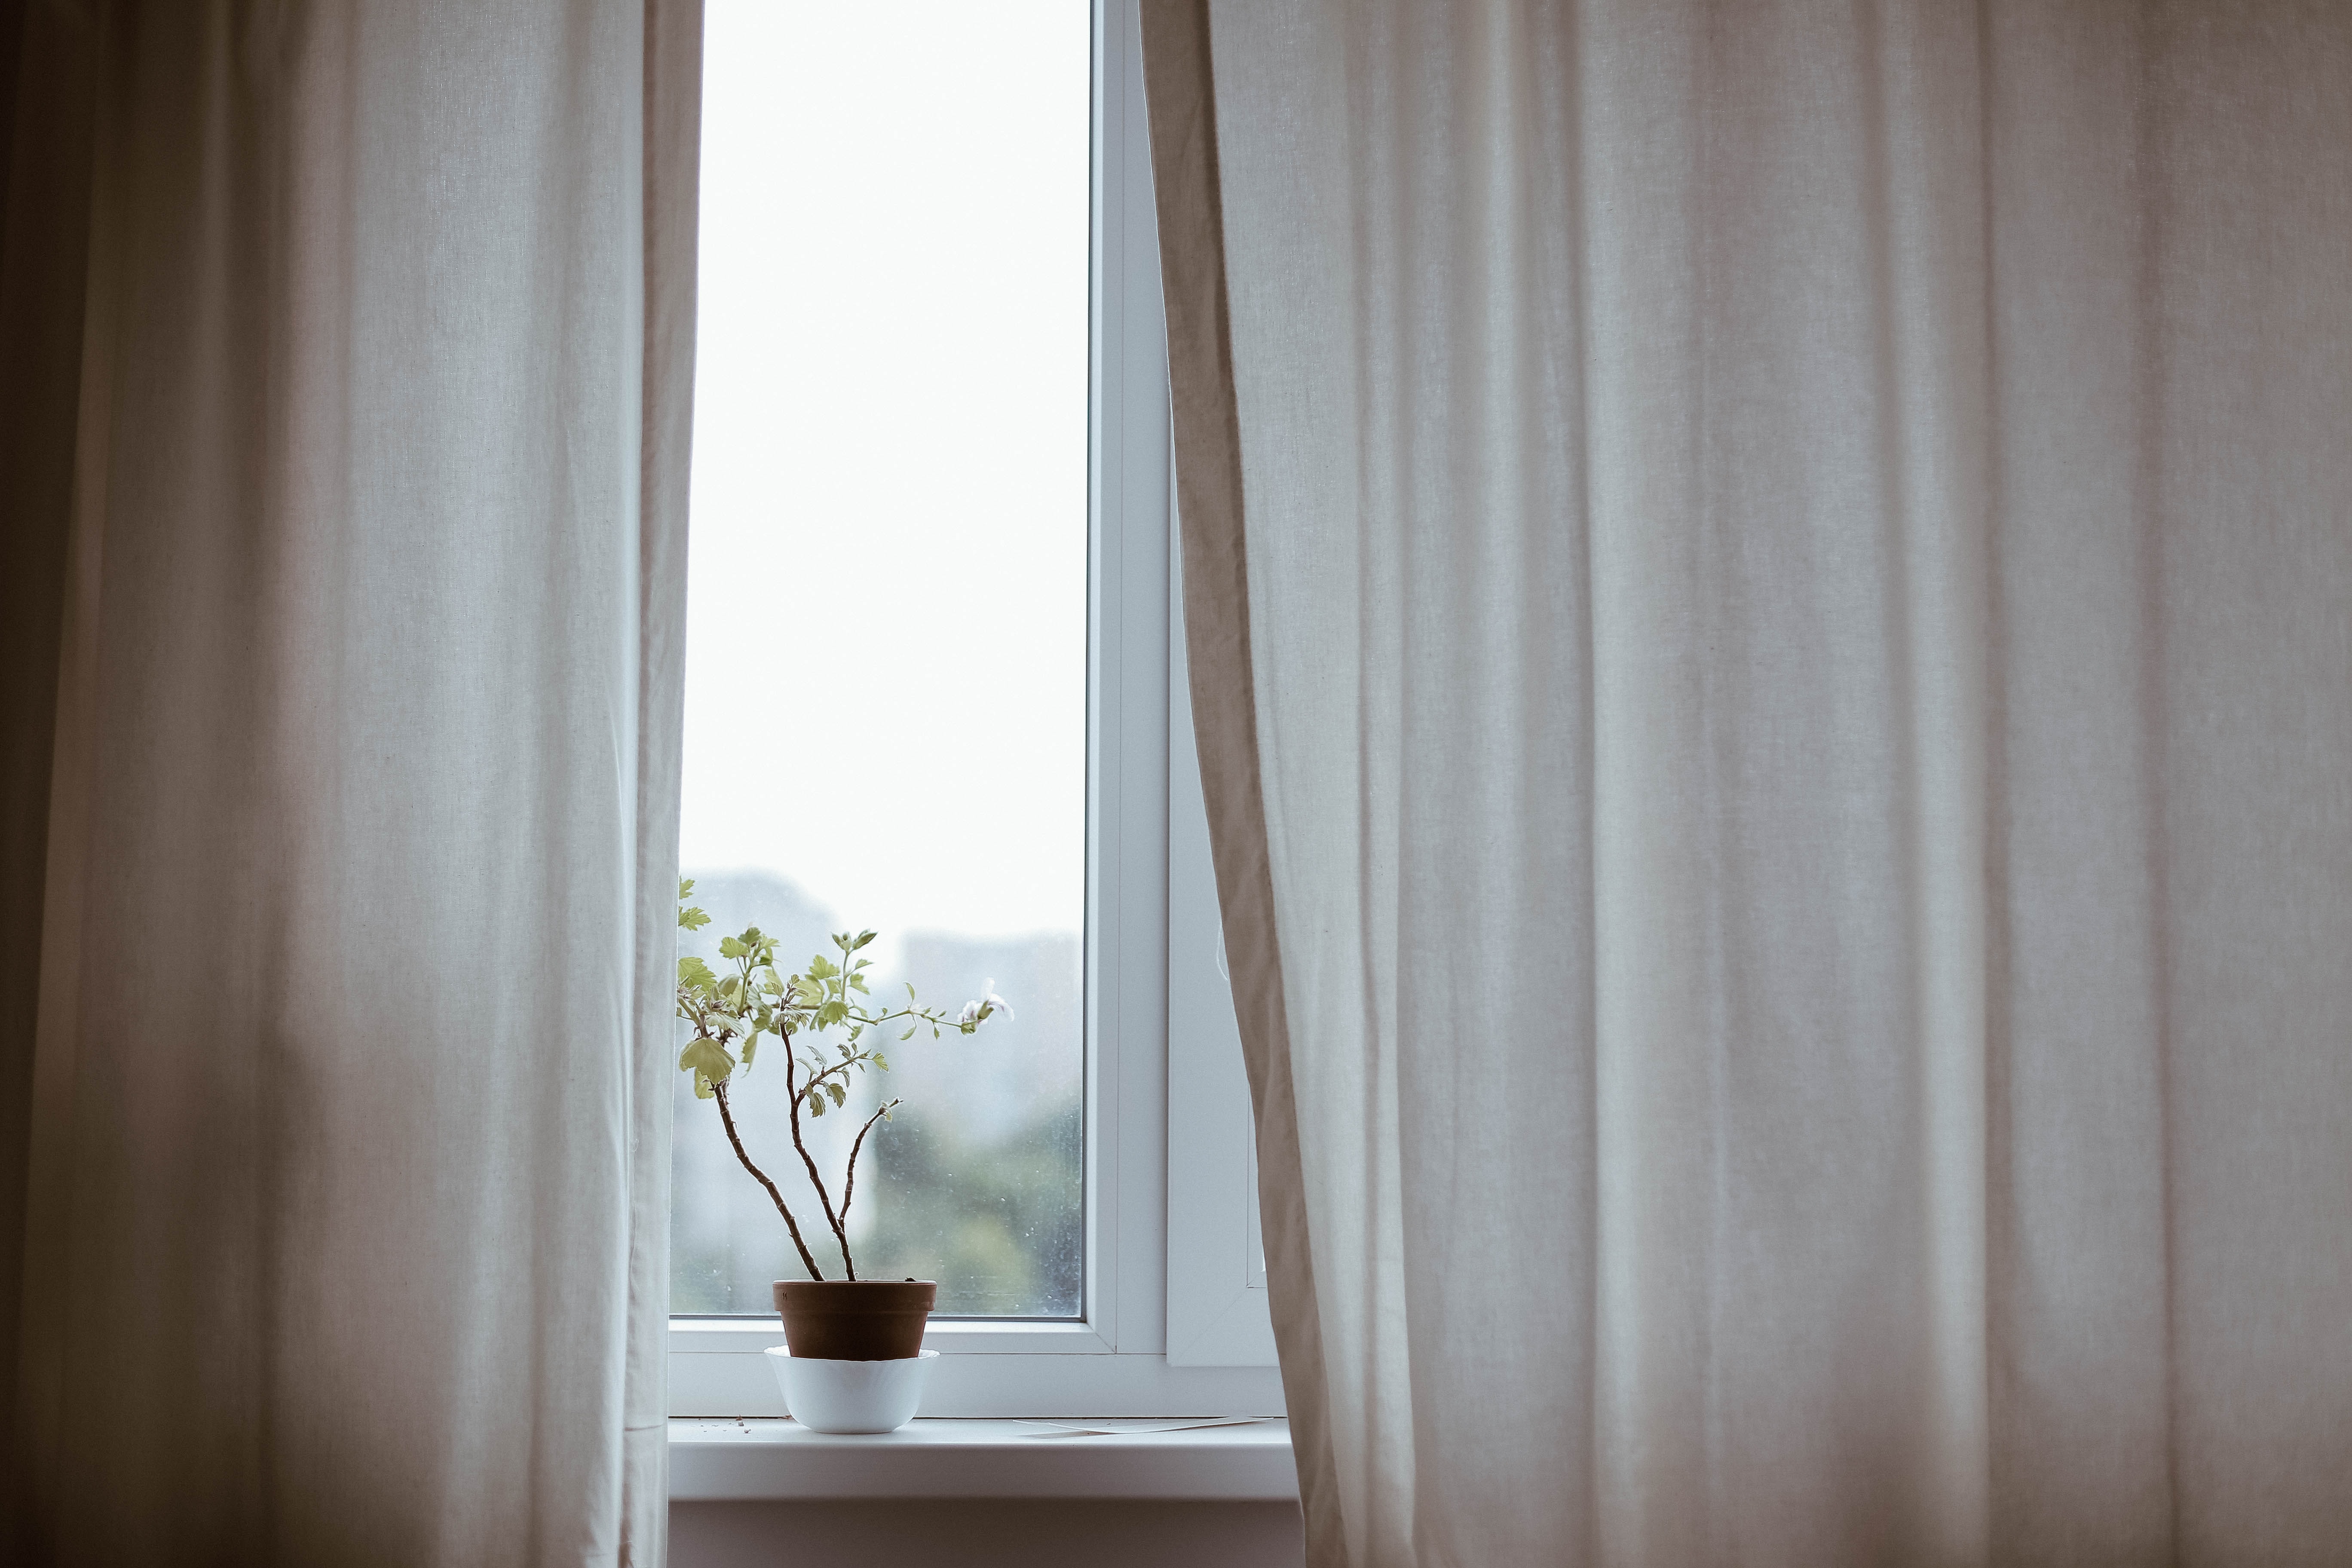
pixel 729 1460
pixel 949 1336
pixel 717 1367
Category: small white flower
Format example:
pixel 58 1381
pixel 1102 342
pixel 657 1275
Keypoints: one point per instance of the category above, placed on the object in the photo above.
pixel 988 1006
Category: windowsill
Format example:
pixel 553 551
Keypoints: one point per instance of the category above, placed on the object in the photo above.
pixel 719 1369
pixel 714 1460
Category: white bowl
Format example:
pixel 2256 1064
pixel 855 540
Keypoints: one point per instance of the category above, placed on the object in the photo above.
pixel 850 1396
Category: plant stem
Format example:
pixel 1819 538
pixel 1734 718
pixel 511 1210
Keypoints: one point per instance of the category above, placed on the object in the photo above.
pixel 719 1091
pixel 849 1183
pixel 792 1087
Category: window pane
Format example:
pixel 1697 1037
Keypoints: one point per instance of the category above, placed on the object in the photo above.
pixel 886 625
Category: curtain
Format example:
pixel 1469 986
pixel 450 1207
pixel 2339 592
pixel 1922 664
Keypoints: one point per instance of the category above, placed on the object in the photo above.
pixel 345 424
pixel 1769 599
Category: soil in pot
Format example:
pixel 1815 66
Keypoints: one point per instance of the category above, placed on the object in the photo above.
pixel 855 1319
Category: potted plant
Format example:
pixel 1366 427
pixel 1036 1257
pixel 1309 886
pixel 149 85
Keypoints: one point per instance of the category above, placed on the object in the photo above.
pixel 747 999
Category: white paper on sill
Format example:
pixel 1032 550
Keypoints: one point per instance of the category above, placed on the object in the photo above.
pixel 1130 1428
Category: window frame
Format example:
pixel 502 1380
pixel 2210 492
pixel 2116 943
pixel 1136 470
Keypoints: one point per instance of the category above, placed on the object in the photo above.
pixel 1218 1313
pixel 1114 1359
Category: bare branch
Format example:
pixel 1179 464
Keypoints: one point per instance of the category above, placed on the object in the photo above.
pixel 792 1086
pixel 719 1091
pixel 849 1184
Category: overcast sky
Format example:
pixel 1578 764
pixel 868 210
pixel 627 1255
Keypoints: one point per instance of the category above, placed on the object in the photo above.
pixel 886 661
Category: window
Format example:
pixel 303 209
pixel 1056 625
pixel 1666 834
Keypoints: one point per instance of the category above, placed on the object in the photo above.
pixel 886 722
pixel 932 533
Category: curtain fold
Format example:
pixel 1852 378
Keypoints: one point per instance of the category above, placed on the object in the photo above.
pixel 346 575
pixel 1217 604
pixel 1768 592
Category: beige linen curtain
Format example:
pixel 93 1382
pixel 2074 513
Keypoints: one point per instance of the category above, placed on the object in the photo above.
pixel 345 420
pixel 1770 592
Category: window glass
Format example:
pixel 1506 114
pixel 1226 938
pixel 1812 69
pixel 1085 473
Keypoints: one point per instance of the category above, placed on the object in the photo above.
pixel 887 623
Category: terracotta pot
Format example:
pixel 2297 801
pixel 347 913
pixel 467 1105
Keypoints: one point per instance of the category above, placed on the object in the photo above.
pixel 855 1319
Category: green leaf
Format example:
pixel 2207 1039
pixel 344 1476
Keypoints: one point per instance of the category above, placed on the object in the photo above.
pixel 883 1062
pixel 909 1034
pixel 863 938
pixel 702 1089
pixel 858 983
pixel 820 968
pixel 832 1012
pixel 815 1103
pixel 750 1046
pixel 910 991
pixel 707 1057
pixel 693 972
pixel 692 920
pixel 684 885
pixel 833 1090
pixel 732 947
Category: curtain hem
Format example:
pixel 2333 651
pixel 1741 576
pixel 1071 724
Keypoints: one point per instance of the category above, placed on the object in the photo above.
pixel 1179 90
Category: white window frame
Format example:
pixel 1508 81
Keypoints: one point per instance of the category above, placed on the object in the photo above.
pixel 1217 1313
pixel 1170 1207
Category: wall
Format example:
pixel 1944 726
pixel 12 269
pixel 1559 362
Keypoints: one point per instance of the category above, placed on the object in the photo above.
pixel 1024 1533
